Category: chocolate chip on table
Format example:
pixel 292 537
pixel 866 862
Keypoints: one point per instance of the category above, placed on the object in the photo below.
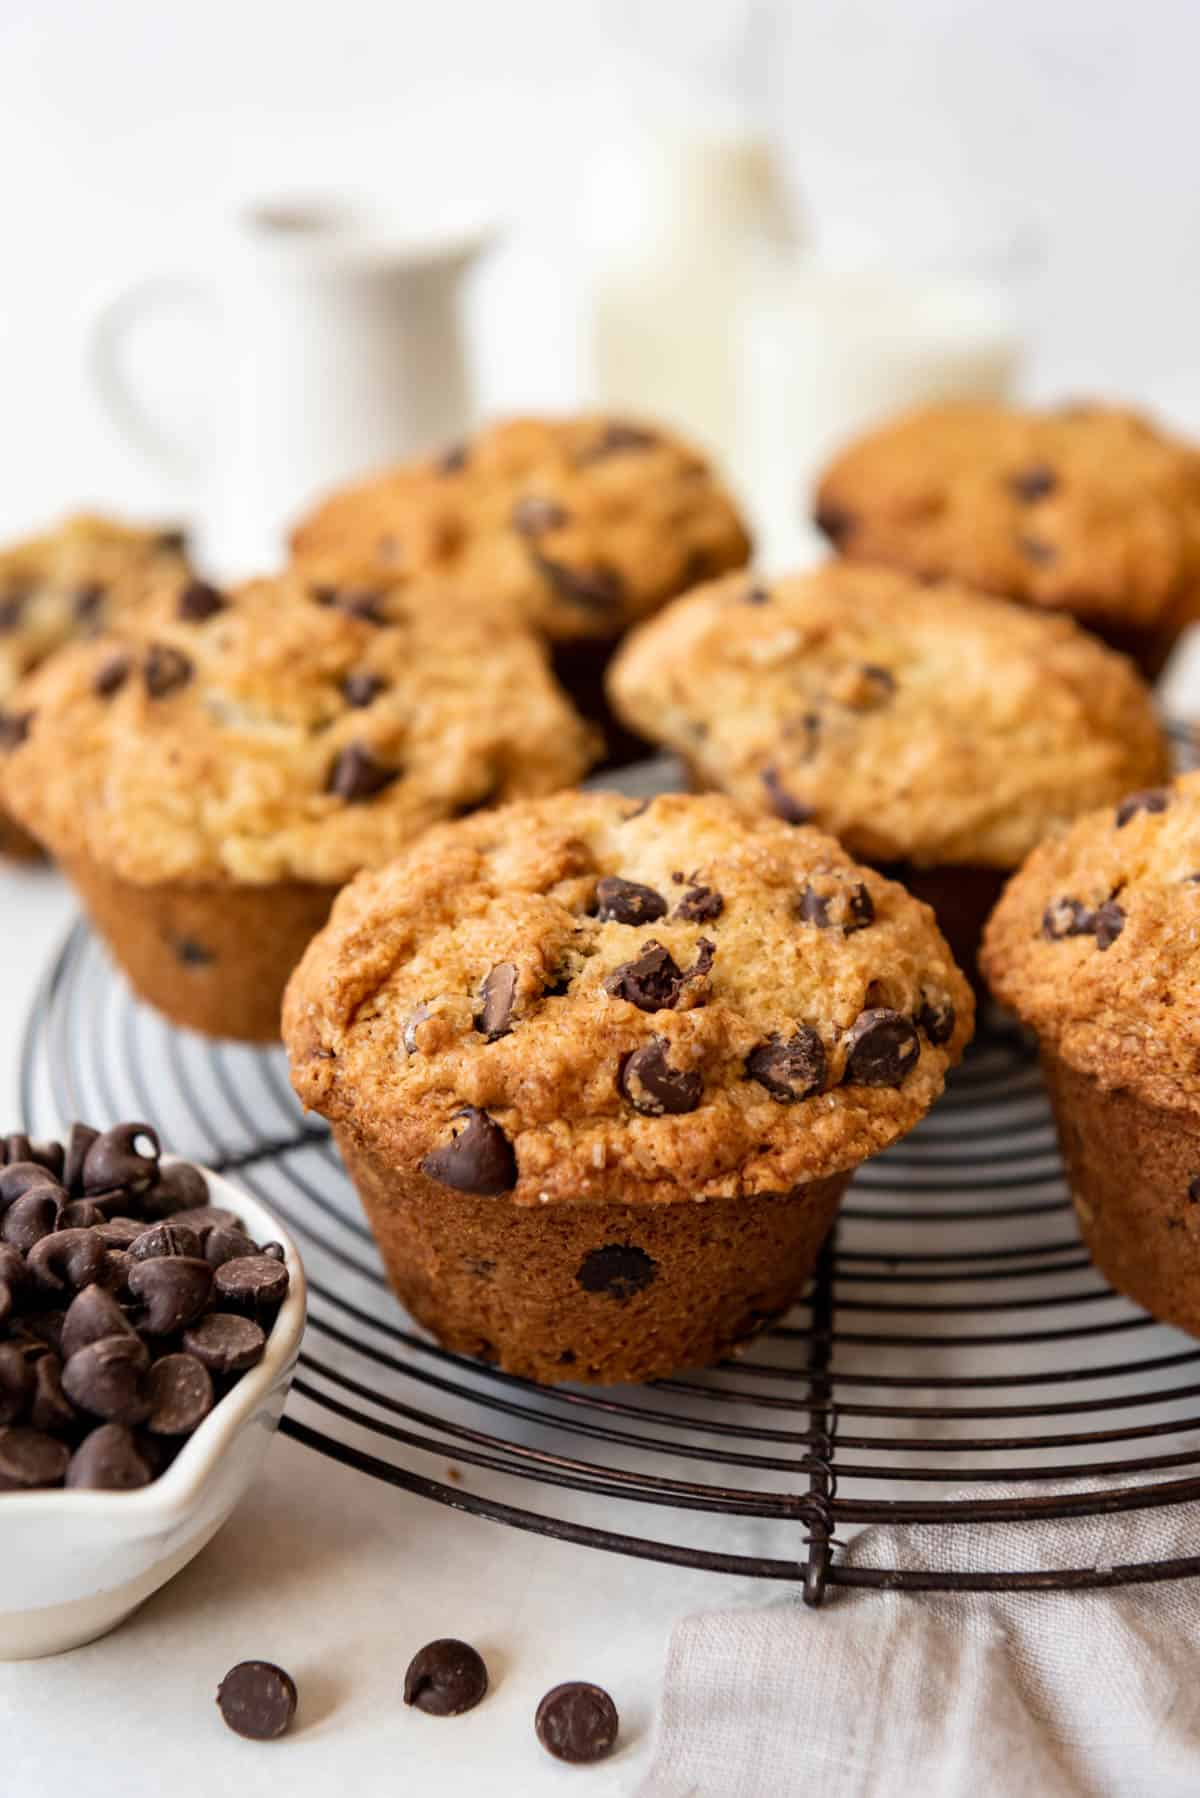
pixel 227 1244
pixel 34 1215
pixel 16 1383
pixel 1034 549
pixel 791 1068
pixel 882 1047
pixel 30 1458
pixel 937 1018
pixel 92 1316
pixel 68 1260
pixel 535 514
pixel 652 982
pixel 1033 482
pixel 164 1239
pixel 115 1160
pixel 165 670
pixel 225 1343
pixel 172 1291
pixel 627 902
pixel 257 1700
pixel 180 1391
pixel 653 1087
pixel 255 1284
pixel 109 1460
pixel 106 1378
pixel 478 1159
pixel 14 728
pixel 50 1408
pixel 361 687
pixel 700 905
pixel 577 1722
pixel 498 995
pixel 619 1270
pixel 1109 923
pixel 598 589
pixel 356 775
pixel 199 601
pixel 445 1678
pixel 782 803
pixel 1152 799
pixel 79 1140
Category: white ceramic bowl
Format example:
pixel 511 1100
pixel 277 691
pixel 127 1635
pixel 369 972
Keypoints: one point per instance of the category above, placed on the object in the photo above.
pixel 75 1564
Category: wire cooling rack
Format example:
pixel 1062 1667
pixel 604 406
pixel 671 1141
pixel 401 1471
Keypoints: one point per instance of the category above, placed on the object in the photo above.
pixel 955 1336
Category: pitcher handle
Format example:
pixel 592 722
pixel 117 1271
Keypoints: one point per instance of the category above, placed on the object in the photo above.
pixel 108 336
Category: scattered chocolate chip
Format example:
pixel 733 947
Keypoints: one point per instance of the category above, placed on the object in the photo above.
pixel 92 1316
pixel 1033 483
pixel 653 982
pixel 577 1722
pixel 791 1068
pixel 16 1383
pixel 28 1459
pixel 834 522
pixel 257 1700
pixel 180 1391
pixel 653 1087
pixel 199 601
pixel 791 810
pixel 109 1460
pixel 700 905
pixel 356 775
pixel 445 1678
pixel 111 675
pixel 165 669
pixel 597 589
pixel 1035 550
pixel 1152 799
pixel 225 1343
pixel 626 902
pixel 115 1160
pixel 68 1260
pixel 50 1408
pixel 252 1284
pixel 361 687
pixel 222 1245
pixel 105 1378
pixel 937 1018
pixel 478 1159
pixel 1110 922
pixel 534 514
pixel 32 1216
pixel 618 437
pixel 172 1290
pixel 498 994
pixel 14 728
pixel 452 460
pixel 882 1047
pixel 1067 917
pixel 618 1270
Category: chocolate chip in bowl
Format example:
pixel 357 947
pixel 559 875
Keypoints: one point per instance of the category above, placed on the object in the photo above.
pixel 133 1383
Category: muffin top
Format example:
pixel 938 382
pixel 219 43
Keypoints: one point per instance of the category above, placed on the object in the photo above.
pixel 1096 944
pixel 578 526
pixel 266 734
pixel 918 723
pixel 584 998
pixel 73 582
pixel 1089 510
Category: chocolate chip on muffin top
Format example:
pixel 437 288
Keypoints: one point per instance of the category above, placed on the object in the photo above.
pixel 524 1006
pixel 918 724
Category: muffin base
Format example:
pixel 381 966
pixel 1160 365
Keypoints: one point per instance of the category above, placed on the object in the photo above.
pixel 963 896
pixel 212 957
pixel 526 1287
pixel 1130 1164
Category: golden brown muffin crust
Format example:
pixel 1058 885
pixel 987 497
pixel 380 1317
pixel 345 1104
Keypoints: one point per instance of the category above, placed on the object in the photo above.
pixel 916 723
pixel 1086 509
pixel 654 1002
pixel 577 526
pixel 268 734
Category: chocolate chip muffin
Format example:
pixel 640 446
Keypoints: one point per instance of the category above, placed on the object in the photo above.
pixel 937 732
pixel 70 583
pixel 577 526
pixel 210 780
pixel 1084 509
pixel 601 1071
pixel 1096 946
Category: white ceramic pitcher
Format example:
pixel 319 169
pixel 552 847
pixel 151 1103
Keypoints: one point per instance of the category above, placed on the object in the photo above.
pixel 340 349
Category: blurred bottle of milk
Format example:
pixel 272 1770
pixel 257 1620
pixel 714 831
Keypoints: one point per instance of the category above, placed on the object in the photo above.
pixel 681 222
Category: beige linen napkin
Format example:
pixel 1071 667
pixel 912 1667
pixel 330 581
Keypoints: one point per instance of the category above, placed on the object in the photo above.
pixel 894 1695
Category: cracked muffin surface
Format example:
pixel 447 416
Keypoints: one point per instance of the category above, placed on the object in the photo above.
pixel 1087 509
pixel 273 732
pixel 1096 945
pixel 581 999
pixel 918 724
pixel 576 526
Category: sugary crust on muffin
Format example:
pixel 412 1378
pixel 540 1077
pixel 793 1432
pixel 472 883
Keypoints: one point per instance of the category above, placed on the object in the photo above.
pixel 409 947
pixel 1091 510
pixel 1096 945
pixel 73 581
pixel 578 526
pixel 920 723
pixel 250 762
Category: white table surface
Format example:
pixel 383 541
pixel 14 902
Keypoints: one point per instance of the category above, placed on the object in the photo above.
pixel 338 1579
